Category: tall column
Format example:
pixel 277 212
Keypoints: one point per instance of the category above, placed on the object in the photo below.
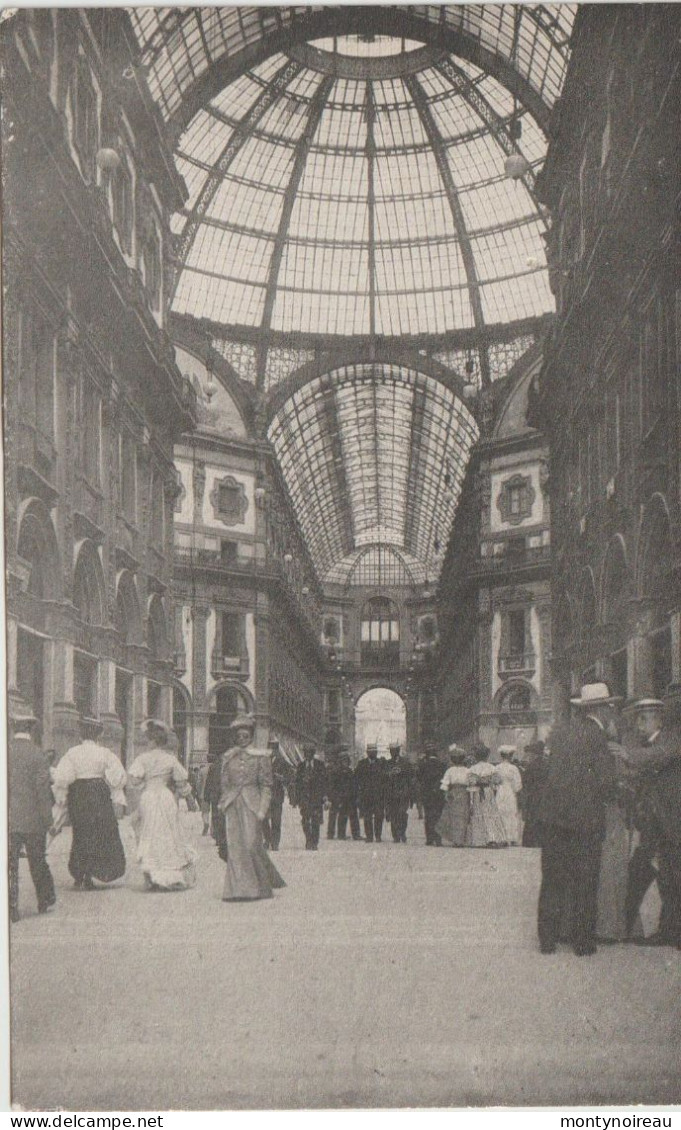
pixel 200 614
pixel 639 653
pixel 261 666
pixel 65 717
pixel 112 734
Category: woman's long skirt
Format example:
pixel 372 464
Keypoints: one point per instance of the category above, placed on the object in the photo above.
pixel 166 860
pixel 494 827
pixel 476 833
pixel 453 823
pixel 611 922
pixel 507 807
pixel 96 848
pixel 250 873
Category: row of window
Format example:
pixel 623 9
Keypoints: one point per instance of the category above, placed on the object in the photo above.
pixel 634 403
pixel 38 403
pixel 136 239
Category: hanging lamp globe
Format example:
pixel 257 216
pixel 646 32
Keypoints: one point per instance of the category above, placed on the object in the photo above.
pixel 107 159
pixel 516 166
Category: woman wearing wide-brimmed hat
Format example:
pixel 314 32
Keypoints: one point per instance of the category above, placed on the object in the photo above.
pixel 453 823
pixel 167 861
pixel 245 794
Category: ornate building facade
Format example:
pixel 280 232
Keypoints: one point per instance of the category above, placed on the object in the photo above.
pixel 610 393
pixel 494 600
pixel 93 398
pixel 248 602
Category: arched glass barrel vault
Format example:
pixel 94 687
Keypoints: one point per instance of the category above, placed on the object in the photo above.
pixel 374 454
pixel 347 197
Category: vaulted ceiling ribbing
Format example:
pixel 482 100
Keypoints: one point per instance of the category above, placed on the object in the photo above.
pixel 190 53
pixel 392 423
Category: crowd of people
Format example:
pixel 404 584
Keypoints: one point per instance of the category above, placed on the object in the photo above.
pixel 601 799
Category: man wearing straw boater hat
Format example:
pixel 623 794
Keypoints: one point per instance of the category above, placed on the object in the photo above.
pixel 580 780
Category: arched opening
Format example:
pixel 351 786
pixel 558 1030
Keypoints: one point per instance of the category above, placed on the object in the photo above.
pixel 380 633
pixel 587 625
pixel 181 716
pixel 88 600
pixel 615 616
pixel 157 644
pixel 380 719
pixel 228 701
pixel 656 591
pixel 127 622
pixel 39 559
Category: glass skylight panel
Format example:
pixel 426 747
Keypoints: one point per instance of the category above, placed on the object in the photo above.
pixel 265 162
pixel 515 298
pixel 495 204
pixel 244 204
pixel 242 256
pixel 454 118
pixel 475 161
pixel 504 253
pixel 218 299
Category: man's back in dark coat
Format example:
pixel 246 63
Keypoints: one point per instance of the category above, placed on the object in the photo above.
pixel 311 784
pixel 580 778
pixel 30 795
pixel 430 773
pixel 370 776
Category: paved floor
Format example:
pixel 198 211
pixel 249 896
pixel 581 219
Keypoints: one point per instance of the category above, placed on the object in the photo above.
pixel 383 975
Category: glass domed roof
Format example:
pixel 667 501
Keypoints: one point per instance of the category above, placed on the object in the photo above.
pixel 356 186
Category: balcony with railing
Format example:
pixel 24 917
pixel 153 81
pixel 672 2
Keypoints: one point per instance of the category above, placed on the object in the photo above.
pixel 524 557
pixel 222 666
pixel 520 663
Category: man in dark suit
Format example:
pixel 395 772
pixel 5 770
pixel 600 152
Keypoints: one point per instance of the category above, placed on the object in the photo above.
pixel 281 777
pixel 30 813
pixel 430 771
pixel 311 792
pixel 580 779
pixel 370 780
pixel 342 799
pixel 399 793
pixel 654 760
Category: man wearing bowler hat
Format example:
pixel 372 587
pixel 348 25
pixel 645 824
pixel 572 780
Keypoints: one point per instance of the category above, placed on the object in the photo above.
pixel 311 791
pixel 580 780
pixel 399 793
pixel 371 778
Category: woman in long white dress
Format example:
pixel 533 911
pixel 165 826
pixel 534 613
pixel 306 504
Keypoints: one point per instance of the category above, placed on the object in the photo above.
pixel 485 828
pixel 507 794
pixel 167 861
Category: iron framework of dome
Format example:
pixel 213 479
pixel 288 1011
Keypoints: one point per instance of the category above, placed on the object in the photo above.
pixel 345 169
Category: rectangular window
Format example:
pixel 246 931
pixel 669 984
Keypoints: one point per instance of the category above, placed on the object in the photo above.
pixel 128 466
pixel 123 207
pixel 231 634
pixel 228 551
pixel 153 700
pixel 36 375
pixel 91 435
pixel 157 503
pixel 516 632
pixel 84 684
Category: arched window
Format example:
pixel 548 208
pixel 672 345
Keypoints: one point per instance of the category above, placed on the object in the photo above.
pixel 380 633
pixel 89 604
pixel 229 701
pixel 123 205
